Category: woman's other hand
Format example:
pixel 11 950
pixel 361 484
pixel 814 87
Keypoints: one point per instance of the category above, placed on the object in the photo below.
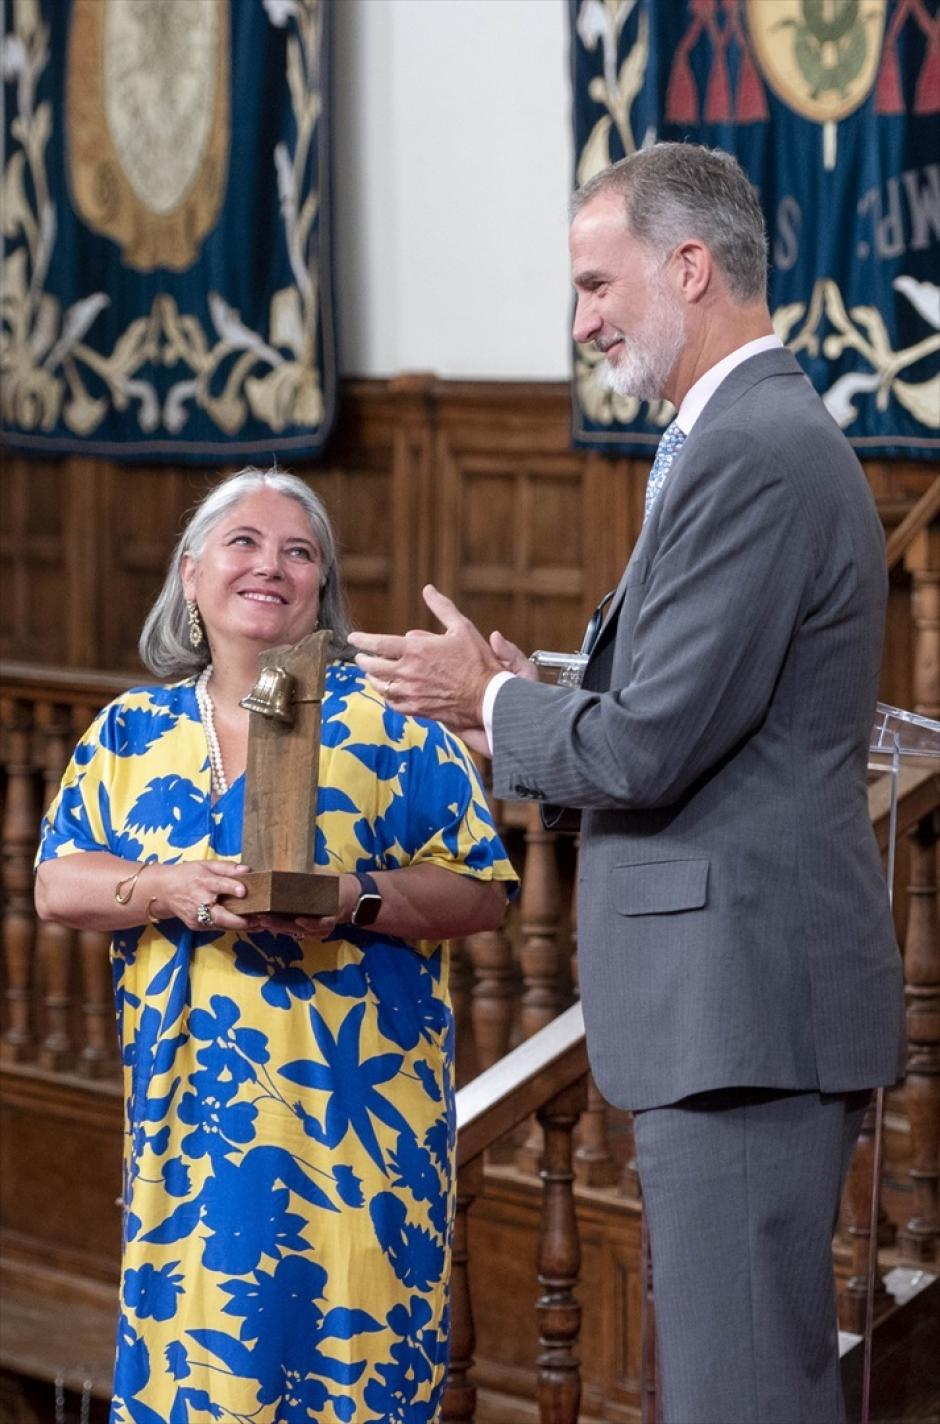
pixel 190 891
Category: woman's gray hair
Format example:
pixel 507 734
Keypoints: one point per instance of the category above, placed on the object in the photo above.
pixel 164 645
pixel 673 191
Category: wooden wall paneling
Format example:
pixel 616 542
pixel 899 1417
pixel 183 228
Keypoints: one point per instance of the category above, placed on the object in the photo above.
pixel 60 1175
pixel 417 507
pixel 614 491
pixel 355 483
pixel 512 551
pixel 140 516
pixel 40 536
pixel 509 534
pixel 82 485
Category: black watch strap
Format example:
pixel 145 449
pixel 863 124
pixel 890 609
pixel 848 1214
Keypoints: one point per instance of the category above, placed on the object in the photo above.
pixel 367 907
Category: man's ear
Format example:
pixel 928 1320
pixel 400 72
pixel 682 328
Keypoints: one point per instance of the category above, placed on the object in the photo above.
pixel 692 269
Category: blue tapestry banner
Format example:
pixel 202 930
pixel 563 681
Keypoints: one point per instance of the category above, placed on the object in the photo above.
pixel 831 107
pixel 166 290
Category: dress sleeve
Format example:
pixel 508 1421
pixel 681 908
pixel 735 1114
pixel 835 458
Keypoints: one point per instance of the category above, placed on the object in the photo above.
pixel 448 820
pixel 79 818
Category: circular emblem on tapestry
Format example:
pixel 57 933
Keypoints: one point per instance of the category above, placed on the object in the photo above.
pixel 148 124
pixel 819 56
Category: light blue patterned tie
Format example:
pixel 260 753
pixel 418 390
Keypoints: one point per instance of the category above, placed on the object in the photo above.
pixel 670 443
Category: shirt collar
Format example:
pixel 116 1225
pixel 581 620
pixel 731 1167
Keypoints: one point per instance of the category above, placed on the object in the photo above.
pixel 698 396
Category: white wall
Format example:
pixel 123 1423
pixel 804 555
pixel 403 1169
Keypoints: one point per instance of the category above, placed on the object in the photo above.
pixel 453 162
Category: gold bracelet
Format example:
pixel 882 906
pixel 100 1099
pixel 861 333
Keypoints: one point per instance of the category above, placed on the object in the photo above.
pixel 154 919
pixel 123 896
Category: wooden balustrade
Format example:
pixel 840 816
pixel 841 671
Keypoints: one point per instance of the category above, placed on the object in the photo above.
pixel 59 1007
pixel 558 1391
pixel 20 819
pixel 594 1163
pixel 541 955
pixel 919 1239
pixel 546 1075
pixel 495 993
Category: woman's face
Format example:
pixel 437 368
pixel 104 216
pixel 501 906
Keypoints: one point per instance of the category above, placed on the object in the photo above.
pixel 258 576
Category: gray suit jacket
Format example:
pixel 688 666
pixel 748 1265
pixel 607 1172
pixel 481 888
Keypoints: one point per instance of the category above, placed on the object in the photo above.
pixel 733 919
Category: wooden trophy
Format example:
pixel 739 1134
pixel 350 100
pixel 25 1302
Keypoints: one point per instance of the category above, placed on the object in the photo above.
pixel 279 827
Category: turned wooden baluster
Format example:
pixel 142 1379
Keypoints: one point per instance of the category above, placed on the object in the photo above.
pixel 98 1053
pixel 20 822
pixel 558 1384
pixel 856 1223
pixel 919 1238
pixel 541 952
pixel 55 944
pixel 494 994
pixel 922 561
pixel 461 984
pixel 594 1164
pixel 460 1395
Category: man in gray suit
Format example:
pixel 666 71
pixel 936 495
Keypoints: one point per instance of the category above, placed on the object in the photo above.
pixel 741 984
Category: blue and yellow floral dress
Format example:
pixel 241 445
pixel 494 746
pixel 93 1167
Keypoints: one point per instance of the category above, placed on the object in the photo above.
pixel 289 1109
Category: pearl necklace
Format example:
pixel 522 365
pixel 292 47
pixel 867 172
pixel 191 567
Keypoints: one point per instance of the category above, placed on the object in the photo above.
pixel 207 713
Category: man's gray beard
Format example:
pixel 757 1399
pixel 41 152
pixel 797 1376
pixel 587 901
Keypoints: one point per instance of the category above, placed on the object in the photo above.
pixel 651 353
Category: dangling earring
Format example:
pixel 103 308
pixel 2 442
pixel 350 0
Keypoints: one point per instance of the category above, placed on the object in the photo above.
pixel 195 624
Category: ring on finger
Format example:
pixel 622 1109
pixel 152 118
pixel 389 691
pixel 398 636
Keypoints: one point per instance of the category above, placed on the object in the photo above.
pixel 388 687
pixel 204 917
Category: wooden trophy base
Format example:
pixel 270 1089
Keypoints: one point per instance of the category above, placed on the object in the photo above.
pixel 285 892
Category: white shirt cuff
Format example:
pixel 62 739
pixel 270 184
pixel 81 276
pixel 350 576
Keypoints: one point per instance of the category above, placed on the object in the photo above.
pixel 489 699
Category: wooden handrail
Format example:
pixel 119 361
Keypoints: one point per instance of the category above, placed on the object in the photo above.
pixel 29 679
pixel 913 523
pixel 506 1094
pixel 918 795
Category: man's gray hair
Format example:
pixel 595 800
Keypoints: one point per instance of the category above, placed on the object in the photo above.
pixel 164 644
pixel 673 191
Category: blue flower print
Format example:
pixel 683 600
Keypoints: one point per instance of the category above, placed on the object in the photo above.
pixel 273 957
pixel 348 1185
pixel 233 1051
pixel 431 1086
pixel 414 1168
pixel 351 1084
pixel 153 1293
pixel 236 1239
pixel 175 1175
pixel 132 1373
pixel 132 731
pixel 286 1328
pixel 217 1122
pixel 195 1400
pixel 418 1351
pixel 403 985
pixel 174 803
pixel 416 1258
pixel 120 843
pixel 177 1361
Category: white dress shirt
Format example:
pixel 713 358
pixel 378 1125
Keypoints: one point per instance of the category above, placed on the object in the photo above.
pixel 694 402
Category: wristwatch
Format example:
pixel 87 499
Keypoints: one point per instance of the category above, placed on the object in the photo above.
pixel 366 909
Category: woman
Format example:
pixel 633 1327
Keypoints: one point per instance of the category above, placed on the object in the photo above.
pixel 289 1093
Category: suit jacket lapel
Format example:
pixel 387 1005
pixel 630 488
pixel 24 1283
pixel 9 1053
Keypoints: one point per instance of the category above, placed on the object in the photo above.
pixel 778 362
